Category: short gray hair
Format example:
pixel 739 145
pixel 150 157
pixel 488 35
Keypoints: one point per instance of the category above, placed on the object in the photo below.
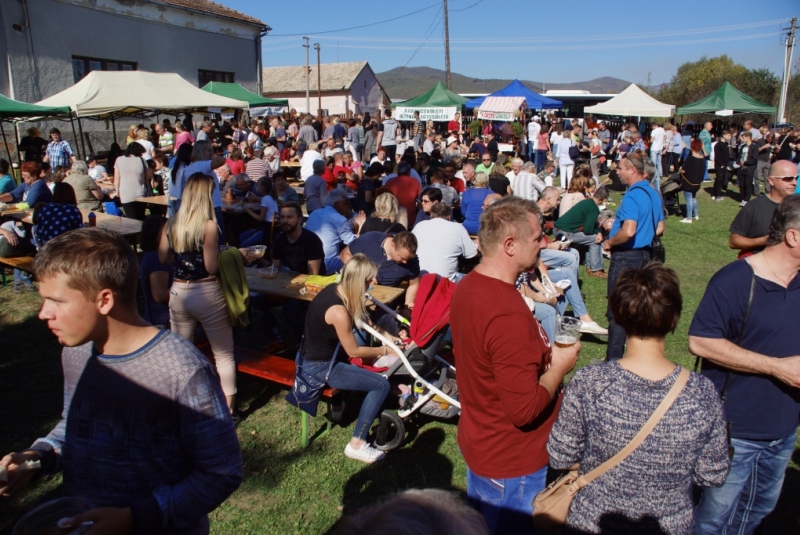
pixel 786 217
pixel 79 167
pixel 528 165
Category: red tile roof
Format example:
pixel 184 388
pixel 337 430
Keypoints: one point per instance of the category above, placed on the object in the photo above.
pixel 211 8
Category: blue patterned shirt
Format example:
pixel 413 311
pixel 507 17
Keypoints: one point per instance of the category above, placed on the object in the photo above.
pixel 54 219
pixel 59 153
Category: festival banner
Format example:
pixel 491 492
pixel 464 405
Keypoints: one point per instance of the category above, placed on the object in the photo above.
pixel 496 115
pixel 425 114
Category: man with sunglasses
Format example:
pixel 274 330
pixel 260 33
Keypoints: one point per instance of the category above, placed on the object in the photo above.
pixel 750 226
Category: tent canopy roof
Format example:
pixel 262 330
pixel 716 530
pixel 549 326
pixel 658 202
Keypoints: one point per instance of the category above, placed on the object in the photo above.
pixel 237 92
pixel 120 93
pixel 518 89
pixel 633 101
pixel 726 97
pixel 503 104
pixel 14 109
pixel 437 97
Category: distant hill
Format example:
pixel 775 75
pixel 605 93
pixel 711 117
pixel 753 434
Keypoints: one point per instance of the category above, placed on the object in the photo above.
pixel 409 82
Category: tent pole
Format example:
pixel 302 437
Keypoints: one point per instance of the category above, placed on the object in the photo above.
pixel 8 151
pixel 114 127
pixel 74 133
pixel 83 142
pixel 19 154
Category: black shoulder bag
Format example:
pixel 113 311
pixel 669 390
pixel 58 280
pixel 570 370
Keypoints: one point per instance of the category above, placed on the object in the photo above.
pixel 724 394
pixel 657 250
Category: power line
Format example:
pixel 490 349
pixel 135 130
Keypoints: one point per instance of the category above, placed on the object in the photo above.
pixel 468 7
pixel 358 27
pixel 431 28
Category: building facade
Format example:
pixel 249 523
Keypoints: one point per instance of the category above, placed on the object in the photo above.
pixel 347 88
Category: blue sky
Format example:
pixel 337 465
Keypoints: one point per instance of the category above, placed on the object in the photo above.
pixel 530 39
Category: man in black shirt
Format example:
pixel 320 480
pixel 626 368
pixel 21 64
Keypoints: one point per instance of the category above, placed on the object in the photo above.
pixel 722 158
pixel 298 250
pixel 749 228
pixel 491 145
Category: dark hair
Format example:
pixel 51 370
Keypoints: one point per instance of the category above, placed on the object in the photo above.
pixel 786 217
pixel 182 158
pixel 647 302
pixel 56 131
pixel 294 206
pixel 388 167
pixel 63 193
pixel 44 167
pixel 601 194
pixel 4 166
pixel 151 232
pixel 406 240
pixel 93 259
pixel 134 149
pixel 374 170
pixel 434 194
pixel 440 210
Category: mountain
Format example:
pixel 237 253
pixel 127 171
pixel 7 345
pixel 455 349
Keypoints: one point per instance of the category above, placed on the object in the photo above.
pixel 407 83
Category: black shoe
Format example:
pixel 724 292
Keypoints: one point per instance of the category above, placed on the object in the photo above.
pixel 237 417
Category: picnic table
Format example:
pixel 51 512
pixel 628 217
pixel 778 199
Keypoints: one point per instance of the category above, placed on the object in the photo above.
pixel 288 285
pixel 295 165
pixel 123 225
pixel 161 200
pixel 237 205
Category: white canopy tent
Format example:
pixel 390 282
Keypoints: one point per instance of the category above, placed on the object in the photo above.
pixel 104 94
pixel 632 102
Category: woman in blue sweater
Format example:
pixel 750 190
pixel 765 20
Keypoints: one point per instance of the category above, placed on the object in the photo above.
pixel 472 203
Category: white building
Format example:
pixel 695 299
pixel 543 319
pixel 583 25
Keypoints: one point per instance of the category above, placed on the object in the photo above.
pixel 48 45
pixel 347 88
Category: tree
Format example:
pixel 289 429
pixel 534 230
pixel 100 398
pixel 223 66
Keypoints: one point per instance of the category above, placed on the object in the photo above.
pixel 695 80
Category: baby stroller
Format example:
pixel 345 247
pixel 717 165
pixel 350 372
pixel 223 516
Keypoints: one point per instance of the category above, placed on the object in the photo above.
pixel 670 192
pixel 427 382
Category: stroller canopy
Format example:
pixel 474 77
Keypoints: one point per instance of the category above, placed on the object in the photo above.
pixel 431 307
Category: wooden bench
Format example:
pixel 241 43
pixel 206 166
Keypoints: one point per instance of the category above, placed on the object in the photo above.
pixel 279 370
pixel 24 263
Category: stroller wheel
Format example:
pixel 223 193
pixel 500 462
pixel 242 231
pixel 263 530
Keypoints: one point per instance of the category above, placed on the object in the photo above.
pixel 391 432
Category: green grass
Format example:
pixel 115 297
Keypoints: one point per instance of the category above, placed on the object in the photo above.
pixel 290 490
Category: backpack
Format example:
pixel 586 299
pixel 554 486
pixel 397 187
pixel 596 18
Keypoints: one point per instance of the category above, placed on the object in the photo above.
pixel 574 152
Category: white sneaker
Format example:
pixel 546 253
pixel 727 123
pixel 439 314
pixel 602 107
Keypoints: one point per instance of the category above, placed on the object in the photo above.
pixel 686 220
pixel 697 218
pixel 743 203
pixel 591 327
pixel 365 454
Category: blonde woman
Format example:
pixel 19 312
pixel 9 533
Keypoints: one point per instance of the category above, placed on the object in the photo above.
pixel 191 244
pixel 385 215
pixel 143 136
pixel 132 137
pixel 333 314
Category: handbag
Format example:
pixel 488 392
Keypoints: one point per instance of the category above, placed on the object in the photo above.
pixel 307 389
pixel 657 250
pixel 574 152
pixel 551 506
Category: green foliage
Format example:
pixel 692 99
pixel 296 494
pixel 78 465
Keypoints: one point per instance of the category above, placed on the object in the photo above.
pixel 695 80
pixel 793 99
pixel 518 129
pixel 475 128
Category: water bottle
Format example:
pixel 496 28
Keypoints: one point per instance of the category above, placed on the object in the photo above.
pixel 92 219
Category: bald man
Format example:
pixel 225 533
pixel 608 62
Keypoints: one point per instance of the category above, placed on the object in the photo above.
pixel 749 228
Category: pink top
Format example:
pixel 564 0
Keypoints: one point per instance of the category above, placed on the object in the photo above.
pixel 183 137
pixel 544 137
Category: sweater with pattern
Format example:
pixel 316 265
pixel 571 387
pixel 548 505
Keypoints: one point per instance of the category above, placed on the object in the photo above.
pixel 650 491
pixel 149 430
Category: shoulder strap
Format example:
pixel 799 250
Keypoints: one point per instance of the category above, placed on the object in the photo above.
pixel 648 427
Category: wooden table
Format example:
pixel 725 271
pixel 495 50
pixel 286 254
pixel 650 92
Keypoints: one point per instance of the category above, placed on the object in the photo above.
pixel 295 165
pixel 288 285
pixel 161 200
pixel 237 206
pixel 127 227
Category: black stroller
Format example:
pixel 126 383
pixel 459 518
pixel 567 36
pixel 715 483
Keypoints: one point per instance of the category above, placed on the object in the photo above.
pixel 670 192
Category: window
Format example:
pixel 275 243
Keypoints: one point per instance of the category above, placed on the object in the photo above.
pixel 81 66
pixel 213 76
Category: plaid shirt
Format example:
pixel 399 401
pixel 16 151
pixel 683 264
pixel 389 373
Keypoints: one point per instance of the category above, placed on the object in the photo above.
pixel 59 153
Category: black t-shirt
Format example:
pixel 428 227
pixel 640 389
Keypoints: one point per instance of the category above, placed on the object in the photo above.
pixel 499 184
pixel 785 151
pixel 295 256
pixel 321 338
pixel 493 149
pixel 763 155
pixel 373 224
pixel 754 219
pixel 390 273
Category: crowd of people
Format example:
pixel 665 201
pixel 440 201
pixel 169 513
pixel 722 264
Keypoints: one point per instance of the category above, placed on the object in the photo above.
pixel 387 202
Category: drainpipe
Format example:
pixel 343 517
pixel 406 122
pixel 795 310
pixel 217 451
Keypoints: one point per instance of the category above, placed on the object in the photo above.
pixel 259 74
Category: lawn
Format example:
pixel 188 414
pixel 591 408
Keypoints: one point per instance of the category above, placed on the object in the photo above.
pixel 290 490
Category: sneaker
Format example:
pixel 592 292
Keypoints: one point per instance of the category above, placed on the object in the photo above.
pixel 719 199
pixel 591 327
pixel 686 220
pixel 236 416
pixel 599 274
pixel 365 454
pixel 697 218
pixel 336 416
pixel 743 203
pixel 713 198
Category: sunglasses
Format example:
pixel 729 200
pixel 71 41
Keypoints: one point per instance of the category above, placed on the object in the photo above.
pixel 785 178
pixel 486 159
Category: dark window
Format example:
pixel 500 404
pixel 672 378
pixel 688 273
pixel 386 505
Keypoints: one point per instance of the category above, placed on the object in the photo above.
pixel 213 76
pixel 81 66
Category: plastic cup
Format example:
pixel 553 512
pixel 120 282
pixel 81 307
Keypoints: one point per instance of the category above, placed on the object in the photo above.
pixel 268 273
pixel 258 250
pixel 567 331
pixel 43 519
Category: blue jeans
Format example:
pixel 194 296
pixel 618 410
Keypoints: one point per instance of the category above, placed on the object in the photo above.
pixel 348 377
pixel 594 251
pixel 564 265
pixel 531 150
pixel 541 159
pixel 621 260
pixel 751 490
pixel 655 156
pixel 251 237
pixel 506 504
pixel 705 176
pixel 546 316
pixel 22 278
pixel 691 204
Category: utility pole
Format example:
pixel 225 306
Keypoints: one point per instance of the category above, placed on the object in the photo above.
pixel 786 72
pixel 446 47
pixel 308 74
pixel 319 80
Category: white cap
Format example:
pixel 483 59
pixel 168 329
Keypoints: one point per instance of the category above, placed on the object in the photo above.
pixel 452 139
pixel 536 118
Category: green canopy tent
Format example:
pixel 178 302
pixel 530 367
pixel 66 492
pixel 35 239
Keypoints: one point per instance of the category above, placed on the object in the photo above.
pixel 12 111
pixel 438 104
pixel 726 100
pixel 237 92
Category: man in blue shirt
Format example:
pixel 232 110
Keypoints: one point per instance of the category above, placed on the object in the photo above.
pixel 333 226
pixel 745 329
pixel 58 151
pixel 639 219
pixel 705 137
